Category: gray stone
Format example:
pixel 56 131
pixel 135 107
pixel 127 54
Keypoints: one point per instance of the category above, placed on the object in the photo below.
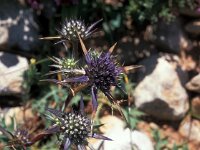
pixel 160 90
pixel 190 12
pixel 3 36
pixel 18 27
pixel 170 37
pixel 134 48
pixel 194 84
pixel 193 27
pixel 195 107
pixel 11 70
pixel 190 129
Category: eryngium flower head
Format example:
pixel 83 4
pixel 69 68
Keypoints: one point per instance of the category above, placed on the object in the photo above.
pixel 75 127
pixel 71 27
pixel 20 138
pixel 66 66
pixel 102 69
pixel 103 72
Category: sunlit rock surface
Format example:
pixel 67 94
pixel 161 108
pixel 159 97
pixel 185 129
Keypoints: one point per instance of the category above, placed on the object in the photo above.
pixel 123 139
pixel 11 71
pixel 160 91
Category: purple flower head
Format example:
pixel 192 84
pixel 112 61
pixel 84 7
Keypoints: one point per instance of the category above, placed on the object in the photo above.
pixel 102 70
pixel 20 138
pixel 74 127
pixel 23 136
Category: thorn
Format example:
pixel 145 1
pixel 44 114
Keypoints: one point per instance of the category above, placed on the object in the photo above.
pixel 112 48
pixel 128 68
pixel 94 24
pixel 72 91
pixel 82 45
pixel 50 38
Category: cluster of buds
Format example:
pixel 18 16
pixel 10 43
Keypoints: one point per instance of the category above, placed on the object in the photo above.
pixel 67 66
pixel 72 28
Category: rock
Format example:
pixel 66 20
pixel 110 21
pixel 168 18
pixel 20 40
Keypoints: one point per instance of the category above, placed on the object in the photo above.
pixel 196 107
pixel 18 27
pixel 194 84
pixel 18 113
pixel 189 12
pixel 135 48
pixel 11 70
pixel 160 90
pixel 170 37
pixel 190 129
pixel 193 27
pixel 3 36
pixel 123 139
pixel 111 123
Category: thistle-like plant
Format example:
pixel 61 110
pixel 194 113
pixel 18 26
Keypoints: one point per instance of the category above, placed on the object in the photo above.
pixel 19 139
pixel 74 127
pixel 100 73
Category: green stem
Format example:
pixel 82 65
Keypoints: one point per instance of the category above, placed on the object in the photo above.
pixel 75 52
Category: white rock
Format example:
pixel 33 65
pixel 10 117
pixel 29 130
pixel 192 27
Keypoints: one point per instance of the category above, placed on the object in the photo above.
pixel 123 139
pixel 11 70
pixel 160 92
pixel 127 140
pixel 111 123
pixel 17 113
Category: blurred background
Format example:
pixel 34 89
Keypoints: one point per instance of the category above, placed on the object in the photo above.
pixel 163 105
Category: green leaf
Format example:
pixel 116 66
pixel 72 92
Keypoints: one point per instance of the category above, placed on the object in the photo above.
pixel 160 143
pixel 132 115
